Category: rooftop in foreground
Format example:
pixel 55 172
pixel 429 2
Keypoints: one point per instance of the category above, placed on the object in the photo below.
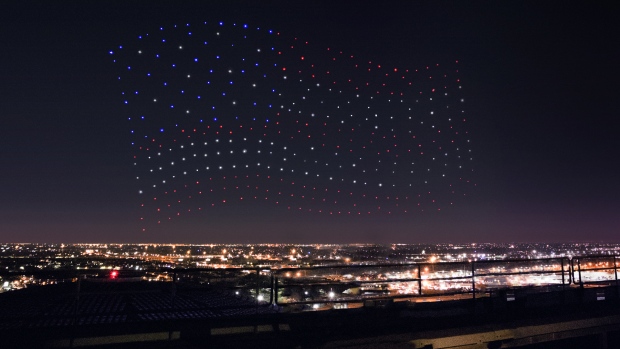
pixel 259 309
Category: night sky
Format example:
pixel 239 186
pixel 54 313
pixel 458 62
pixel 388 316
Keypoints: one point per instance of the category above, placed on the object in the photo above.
pixel 249 122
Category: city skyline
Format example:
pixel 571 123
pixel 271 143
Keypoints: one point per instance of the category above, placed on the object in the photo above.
pixel 538 85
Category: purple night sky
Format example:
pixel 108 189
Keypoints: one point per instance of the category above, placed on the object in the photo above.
pixel 244 122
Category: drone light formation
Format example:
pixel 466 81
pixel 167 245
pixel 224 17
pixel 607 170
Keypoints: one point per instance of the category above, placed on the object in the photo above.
pixel 228 114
